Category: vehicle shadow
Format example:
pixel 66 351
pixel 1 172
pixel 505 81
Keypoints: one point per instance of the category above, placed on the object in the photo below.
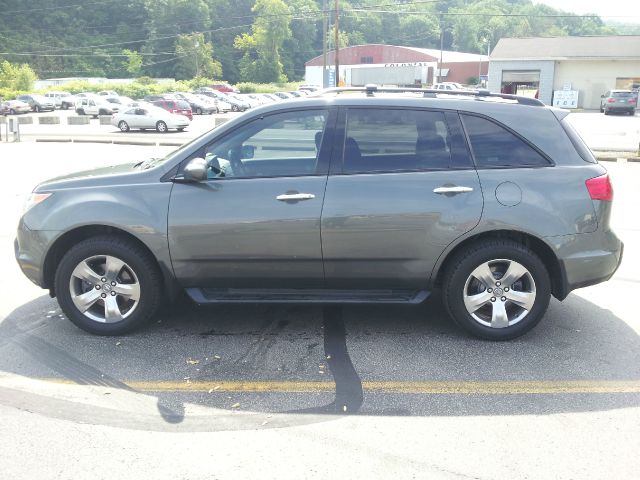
pixel 255 366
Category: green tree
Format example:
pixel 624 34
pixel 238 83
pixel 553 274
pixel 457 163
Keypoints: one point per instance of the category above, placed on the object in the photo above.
pixel 261 61
pixel 195 58
pixel 133 62
pixel 16 76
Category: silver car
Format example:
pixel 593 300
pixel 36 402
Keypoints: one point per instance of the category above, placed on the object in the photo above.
pixel 379 196
pixel 149 117
pixel 624 101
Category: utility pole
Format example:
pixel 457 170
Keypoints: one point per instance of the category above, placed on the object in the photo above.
pixel 337 46
pixel 441 47
pixel 196 45
pixel 324 44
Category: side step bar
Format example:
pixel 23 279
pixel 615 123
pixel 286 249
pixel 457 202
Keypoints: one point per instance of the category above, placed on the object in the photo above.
pixel 260 295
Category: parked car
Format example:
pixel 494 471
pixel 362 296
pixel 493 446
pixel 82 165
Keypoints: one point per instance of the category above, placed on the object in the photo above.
pixel 237 99
pixel 153 98
pixel 38 103
pixel 151 118
pixel 108 93
pixel 283 95
pixel 220 105
pixel 180 107
pixel 448 86
pixel 309 88
pixel 14 107
pixel 224 87
pixel 62 100
pixel 327 212
pixel 625 101
pixel 197 104
pixel 236 105
pixel 121 101
pixel 95 106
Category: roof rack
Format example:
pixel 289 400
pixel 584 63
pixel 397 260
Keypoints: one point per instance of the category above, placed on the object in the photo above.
pixel 370 90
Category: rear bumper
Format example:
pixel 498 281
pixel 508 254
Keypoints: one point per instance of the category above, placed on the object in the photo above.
pixel 587 258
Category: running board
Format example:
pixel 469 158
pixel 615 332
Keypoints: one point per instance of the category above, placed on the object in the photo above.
pixel 260 295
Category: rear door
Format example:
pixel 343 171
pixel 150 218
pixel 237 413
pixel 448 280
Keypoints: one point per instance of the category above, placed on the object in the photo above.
pixel 401 188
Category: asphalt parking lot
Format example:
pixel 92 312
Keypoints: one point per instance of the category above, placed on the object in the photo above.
pixel 276 391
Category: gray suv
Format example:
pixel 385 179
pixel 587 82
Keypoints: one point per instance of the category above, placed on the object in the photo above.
pixel 379 196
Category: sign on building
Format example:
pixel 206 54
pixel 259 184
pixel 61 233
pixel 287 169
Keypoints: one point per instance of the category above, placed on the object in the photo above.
pixel 565 98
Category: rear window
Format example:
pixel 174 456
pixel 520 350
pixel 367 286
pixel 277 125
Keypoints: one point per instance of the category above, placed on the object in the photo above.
pixel 182 104
pixel 495 146
pixel 623 95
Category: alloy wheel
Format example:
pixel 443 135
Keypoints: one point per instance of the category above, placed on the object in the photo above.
pixel 104 289
pixel 499 293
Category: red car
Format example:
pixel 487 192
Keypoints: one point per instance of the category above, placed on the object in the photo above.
pixel 175 106
pixel 224 88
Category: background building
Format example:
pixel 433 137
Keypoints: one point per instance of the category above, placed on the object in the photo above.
pixel 587 65
pixel 394 65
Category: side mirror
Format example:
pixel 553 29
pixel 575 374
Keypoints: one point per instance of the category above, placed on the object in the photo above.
pixel 247 151
pixel 194 171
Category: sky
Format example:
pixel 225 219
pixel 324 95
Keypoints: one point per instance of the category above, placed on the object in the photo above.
pixel 629 10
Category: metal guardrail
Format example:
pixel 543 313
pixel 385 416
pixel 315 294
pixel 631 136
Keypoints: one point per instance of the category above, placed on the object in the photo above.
pixel 371 90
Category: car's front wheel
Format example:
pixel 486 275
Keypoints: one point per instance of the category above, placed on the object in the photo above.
pixel 108 285
pixel 123 126
pixel 161 126
pixel 497 290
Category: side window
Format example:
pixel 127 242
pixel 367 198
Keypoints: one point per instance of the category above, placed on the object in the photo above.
pixel 284 144
pixel 494 146
pixel 392 140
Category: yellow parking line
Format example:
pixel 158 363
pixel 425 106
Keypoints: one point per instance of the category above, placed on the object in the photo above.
pixel 424 387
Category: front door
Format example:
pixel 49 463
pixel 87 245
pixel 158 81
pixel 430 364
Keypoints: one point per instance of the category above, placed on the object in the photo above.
pixel 256 222
pixel 401 189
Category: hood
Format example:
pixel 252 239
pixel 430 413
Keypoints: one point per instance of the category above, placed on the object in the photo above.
pixel 127 173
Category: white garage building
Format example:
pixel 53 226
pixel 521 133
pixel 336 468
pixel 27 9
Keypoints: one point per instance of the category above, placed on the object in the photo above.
pixel 561 66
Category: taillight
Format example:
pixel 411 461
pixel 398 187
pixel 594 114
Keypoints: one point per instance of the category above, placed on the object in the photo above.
pixel 600 188
pixel 611 100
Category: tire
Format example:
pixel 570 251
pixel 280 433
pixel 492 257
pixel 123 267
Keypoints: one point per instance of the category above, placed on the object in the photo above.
pixel 80 111
pixel 37 108
pixel 601 110
pixel 12 112
pixel 234 108
pixel 123 126
pixel 161 127
pixel 606 112
pixel 480 316
pixel 198 111
pixel 135 272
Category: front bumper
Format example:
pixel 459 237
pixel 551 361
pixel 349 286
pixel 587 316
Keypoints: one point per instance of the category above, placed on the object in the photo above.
pixel 30 250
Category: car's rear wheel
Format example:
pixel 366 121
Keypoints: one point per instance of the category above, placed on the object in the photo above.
pixel 108 285
pixel 161 126
pixel 37 108
pixel 12 112
pixel 80 111
pixel 181 129
pixel 497 290
pixel 123 126
pixel 198 111
pixel 235 108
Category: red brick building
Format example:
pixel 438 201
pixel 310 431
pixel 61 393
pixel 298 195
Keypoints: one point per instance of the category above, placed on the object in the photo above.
pixel 390 64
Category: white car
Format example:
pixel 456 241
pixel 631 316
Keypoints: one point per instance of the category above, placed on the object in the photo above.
pixel 62 100
pixel 448 86
pixel 221 104
pixel 95 106
pixel 151 117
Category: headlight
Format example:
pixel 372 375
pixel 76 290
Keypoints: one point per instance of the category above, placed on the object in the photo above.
pixel 33 200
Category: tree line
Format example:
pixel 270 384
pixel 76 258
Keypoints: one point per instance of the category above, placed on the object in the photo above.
pixel 254 40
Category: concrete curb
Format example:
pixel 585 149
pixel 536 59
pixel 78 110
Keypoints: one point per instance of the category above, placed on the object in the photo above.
pixel 112 142
pixel 48 120
pixel 79 120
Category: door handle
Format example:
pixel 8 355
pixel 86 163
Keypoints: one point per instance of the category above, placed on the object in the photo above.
pixel 452 189
pixel 287 197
